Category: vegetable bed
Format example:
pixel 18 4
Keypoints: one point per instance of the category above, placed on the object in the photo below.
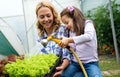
pixel 30 66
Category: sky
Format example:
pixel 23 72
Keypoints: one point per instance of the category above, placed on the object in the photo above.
pixel 10 8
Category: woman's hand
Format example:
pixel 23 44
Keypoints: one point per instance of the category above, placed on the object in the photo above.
pixel 59 71
pixel 61 68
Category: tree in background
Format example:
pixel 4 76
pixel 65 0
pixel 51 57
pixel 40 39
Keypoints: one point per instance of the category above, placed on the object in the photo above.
pixel 101 18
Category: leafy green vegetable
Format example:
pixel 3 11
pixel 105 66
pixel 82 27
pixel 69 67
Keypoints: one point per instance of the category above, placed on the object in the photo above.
pixel 31 66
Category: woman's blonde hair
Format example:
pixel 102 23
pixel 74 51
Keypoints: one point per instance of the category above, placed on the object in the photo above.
pixel 56 19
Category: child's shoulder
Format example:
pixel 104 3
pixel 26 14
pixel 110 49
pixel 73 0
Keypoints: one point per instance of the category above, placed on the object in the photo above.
pixel 88 21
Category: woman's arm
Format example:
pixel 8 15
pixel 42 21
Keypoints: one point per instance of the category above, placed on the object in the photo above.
pixel 60 69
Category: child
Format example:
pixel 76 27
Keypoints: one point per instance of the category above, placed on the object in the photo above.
pixel 83 39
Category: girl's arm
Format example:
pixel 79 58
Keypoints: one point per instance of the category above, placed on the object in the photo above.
pixel 88 35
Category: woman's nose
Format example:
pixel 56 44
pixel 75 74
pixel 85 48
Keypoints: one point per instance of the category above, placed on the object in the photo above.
pixel 46 19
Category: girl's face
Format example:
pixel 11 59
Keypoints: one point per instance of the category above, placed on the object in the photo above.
pixel 45 17
pixel 68 22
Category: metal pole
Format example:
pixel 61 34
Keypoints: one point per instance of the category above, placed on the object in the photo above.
pixel 25 27
pixel 58 3
pixel 114 34
pixel 81 5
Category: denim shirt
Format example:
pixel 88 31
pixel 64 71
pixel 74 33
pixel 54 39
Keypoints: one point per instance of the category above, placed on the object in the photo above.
pixel 53 47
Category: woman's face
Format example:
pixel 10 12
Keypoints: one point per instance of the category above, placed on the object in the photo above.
pixel 45 17
pixel 68 22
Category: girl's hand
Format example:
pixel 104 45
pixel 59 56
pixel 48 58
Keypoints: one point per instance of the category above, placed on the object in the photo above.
pixel 64 42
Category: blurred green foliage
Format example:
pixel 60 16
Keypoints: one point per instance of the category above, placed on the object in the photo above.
pixel 101 18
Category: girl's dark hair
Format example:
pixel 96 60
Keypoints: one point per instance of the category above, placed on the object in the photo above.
pixel 78 19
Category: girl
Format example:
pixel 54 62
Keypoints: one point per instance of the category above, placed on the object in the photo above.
pixel 82 38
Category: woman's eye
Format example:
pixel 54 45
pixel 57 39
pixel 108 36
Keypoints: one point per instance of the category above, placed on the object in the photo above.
pixel 41 17
pixel 48 15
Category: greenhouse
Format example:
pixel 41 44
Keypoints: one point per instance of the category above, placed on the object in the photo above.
pixel 20 19
pixel 18 32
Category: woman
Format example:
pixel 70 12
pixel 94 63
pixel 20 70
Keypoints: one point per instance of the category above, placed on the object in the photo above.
pixel 48 22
